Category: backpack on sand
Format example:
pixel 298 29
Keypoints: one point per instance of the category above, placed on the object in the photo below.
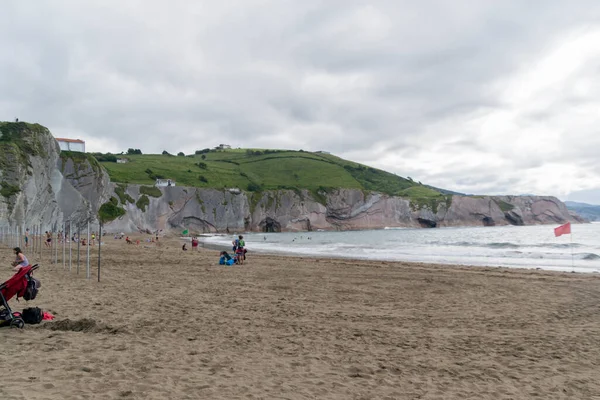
pixel 33 315
pixel 31 291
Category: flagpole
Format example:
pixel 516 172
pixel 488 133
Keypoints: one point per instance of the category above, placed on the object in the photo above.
pixel 572 256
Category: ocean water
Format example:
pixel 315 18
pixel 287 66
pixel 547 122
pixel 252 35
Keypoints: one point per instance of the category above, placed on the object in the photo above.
pixel 506 246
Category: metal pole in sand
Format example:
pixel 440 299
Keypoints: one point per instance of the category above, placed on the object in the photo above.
pixel 78 245
pixel 70 248
pixel 88 251
pixel 62 238
pixel 99 246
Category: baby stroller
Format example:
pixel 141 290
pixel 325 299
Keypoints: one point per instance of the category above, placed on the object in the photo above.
pixel 22 284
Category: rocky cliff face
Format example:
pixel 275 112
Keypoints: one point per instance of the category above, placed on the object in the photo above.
pixel 209 210
pixel 41 185
pixel 34 189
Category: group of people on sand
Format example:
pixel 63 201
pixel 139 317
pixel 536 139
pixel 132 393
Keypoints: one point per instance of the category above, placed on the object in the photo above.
pixel 61 236
pixel 239 251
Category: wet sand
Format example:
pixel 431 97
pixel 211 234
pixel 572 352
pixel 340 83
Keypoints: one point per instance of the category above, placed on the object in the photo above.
pixel 164 324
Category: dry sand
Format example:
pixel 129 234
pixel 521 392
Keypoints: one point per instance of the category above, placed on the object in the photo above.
pixel 163 324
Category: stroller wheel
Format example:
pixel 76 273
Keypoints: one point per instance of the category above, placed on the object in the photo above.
pixel 17 323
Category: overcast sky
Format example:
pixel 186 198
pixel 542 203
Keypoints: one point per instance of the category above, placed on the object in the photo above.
pixel 483 97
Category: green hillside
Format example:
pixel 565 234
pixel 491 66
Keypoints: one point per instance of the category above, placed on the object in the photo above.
pixel 257 170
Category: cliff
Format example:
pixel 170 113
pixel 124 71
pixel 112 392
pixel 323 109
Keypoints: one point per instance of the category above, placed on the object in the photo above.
pixel 210 210
pixel 41 185
pixel 34 191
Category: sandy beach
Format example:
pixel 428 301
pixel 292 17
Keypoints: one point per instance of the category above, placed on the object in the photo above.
pixel 167 324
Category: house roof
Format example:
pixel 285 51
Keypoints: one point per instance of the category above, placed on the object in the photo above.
pixel 70 140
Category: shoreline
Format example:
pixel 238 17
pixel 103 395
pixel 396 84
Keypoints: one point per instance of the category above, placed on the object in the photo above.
pixel 222 247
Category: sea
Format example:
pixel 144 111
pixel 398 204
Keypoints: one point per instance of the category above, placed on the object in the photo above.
pixel 533 247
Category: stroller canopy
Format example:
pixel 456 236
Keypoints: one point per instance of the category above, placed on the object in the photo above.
pixel 15 285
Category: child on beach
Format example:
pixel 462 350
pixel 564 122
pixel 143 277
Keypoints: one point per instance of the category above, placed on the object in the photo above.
pixel 48 239
pixel 194 244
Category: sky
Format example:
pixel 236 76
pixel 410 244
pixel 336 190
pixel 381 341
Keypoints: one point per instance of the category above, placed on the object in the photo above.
pixel 477 96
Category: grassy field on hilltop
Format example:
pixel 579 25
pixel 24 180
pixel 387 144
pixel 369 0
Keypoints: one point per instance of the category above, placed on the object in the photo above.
pixel 257 170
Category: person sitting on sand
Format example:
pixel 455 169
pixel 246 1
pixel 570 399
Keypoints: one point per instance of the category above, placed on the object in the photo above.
pixel 83 242
pixel 226 259
pixel 184 248
pixel 21 261
pixel 128 241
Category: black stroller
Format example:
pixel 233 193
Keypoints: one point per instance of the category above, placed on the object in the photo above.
pixel 22 284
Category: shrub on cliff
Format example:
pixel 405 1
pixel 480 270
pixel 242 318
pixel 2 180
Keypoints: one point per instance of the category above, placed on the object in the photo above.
pixel 150 191
pixel 110 211
pixel 143 203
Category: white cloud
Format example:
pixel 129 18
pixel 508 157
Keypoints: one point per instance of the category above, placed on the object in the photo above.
pixel 481 97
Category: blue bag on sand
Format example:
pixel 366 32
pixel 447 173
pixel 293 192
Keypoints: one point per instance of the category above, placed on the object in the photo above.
pixel 222 261
pixel 230 262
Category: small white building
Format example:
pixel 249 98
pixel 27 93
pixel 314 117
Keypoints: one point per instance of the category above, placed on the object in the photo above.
pixel 164 182
pixel 122 160
pixel 71 144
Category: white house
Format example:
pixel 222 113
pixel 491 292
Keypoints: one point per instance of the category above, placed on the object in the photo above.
pixel 164 182
pixel 71 144
pixel 122 160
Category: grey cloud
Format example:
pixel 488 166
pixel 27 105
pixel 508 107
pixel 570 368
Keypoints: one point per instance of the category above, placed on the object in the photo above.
pixel 194 74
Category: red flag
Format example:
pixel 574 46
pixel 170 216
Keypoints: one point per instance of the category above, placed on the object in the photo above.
pixel 563 229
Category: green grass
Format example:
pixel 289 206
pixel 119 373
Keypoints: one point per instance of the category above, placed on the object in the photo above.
pixel 143 202
pixel 152 191
pixel 123 196
pixel 7 190
pixel 110 211
pixel 280 169
pixel 504 206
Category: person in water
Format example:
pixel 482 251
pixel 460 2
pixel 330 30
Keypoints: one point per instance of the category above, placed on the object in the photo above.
pixel 20 261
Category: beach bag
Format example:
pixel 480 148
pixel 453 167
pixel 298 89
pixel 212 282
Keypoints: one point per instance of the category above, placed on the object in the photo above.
pixel 31 291
pixel 33 315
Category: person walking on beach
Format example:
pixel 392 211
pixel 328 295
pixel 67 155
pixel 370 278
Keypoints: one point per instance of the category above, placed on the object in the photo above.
pixel 48 239
pixel 194 243
pixel 20 261
pixel 27 237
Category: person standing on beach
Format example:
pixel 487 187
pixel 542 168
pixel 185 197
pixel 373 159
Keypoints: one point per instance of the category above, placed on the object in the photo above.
pixel 27 237
pixel 48 239
pixel 240 251
pixel 194 243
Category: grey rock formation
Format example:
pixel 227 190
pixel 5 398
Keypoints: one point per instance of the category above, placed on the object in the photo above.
pixel 210 210
pixel 44 197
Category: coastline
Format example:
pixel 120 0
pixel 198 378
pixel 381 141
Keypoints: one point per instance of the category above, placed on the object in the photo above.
pixel 163 323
